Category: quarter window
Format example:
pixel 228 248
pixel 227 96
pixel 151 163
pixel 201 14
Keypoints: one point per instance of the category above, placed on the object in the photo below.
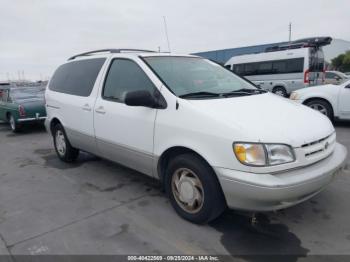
pixel 124 76
pixel 77 78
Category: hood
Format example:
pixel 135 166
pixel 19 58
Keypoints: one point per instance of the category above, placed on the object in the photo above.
pixel 267 118
pixel 313 89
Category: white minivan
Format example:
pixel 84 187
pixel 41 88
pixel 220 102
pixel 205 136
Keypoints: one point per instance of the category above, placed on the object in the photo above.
pixel 213 139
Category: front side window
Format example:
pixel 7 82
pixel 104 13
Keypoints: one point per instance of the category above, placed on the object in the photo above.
pixel 193 75
pixel 125 76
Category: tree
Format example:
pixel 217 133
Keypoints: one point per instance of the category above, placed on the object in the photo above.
pixel 342 62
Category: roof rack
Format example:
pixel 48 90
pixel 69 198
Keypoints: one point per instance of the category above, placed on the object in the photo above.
pixel 110 51
pixel 306 42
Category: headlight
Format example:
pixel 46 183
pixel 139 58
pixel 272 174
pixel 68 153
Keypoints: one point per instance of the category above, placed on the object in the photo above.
pixel 294 96
pixel 255 154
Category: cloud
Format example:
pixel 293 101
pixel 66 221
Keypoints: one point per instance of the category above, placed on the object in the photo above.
pixel 37 35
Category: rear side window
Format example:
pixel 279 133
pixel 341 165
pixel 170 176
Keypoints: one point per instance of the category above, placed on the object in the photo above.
pixel 77 78
pixel 125 76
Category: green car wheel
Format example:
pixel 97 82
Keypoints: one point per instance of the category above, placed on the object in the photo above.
pixel 15 127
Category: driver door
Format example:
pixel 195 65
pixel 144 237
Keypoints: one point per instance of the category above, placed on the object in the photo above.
pixel 124 134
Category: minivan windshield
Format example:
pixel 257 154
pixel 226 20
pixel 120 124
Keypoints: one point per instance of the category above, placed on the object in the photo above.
pixel 193 77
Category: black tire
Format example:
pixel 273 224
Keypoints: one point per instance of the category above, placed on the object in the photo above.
pixel 15 127
pixel 69 154
pixel 322 106
pixel 214 202
pixel 280 91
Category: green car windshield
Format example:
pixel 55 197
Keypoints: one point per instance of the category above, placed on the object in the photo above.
pixel 192 75
pixel 20 94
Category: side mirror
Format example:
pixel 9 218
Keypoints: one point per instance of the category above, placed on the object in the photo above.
pixel 140 98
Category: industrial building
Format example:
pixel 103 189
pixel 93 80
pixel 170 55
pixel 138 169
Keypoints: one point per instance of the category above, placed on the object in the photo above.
pixel 223 55
pixel 337 47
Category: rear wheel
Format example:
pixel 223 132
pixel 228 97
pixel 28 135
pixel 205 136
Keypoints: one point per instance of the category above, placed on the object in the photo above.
pixel 63 148
pixel 193 189
pixel 280 91
pixel 15 127
pixel 321 106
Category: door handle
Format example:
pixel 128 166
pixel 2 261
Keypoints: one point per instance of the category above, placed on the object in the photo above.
pixel 86 107
pixel 100 110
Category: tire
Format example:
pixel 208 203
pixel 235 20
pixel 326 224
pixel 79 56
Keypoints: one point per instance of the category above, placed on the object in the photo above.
pixel 321 106
pixel 190 179
pixel 63 148
pixel 15 127
pixel 280 91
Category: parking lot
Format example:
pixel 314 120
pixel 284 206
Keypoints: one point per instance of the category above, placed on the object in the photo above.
pixel 97 207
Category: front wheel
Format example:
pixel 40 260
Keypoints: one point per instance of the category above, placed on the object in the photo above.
pixel 193 189
pixel 321 106
pixel 63 148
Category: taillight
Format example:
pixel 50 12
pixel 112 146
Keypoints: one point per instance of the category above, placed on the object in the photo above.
pixel 22 112
pixel 307 77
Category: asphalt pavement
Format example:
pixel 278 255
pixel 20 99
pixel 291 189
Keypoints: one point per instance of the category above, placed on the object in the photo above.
pixel 98 207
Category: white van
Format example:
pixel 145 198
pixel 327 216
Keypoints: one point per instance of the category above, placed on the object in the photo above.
pixel 283 69
pixel 212 138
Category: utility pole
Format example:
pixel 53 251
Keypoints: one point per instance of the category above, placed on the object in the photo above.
pixel 290 31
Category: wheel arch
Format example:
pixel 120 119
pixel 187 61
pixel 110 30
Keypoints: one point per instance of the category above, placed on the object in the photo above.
pixel 279 85
pixel 8 113
pixel 323 99
pixel 170 153
pixel 54 121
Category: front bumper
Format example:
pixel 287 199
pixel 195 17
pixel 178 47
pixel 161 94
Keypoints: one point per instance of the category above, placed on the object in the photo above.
pixel 266 192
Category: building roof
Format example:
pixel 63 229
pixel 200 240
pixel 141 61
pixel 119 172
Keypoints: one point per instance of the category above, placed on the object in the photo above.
pixel 223 55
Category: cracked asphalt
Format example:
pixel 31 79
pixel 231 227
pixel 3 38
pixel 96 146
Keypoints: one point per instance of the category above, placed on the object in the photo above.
pixel 98 207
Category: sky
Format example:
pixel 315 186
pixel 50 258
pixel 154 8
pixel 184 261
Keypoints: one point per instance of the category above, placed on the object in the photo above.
pixel 36 36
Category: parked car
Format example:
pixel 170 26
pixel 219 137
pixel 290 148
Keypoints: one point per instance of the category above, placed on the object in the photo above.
pixel 335 77
pixel 212 138
pixel 331 100
pixel 19 106
pixel 284 68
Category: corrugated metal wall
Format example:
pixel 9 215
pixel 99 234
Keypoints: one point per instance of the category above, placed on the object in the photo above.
pixel 221 56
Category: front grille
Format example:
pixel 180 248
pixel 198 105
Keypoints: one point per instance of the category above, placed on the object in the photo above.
pixel 317 141
pixel 319 147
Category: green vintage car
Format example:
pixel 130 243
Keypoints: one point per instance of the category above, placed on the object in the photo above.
pixel 21 105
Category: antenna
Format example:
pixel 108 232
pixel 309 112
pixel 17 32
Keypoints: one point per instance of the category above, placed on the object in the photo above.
pixel 166 33
pixel 290 31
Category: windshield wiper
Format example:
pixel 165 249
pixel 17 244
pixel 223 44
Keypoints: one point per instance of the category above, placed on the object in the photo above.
pixel 200 94
pixel 245 91
pixel 249 90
